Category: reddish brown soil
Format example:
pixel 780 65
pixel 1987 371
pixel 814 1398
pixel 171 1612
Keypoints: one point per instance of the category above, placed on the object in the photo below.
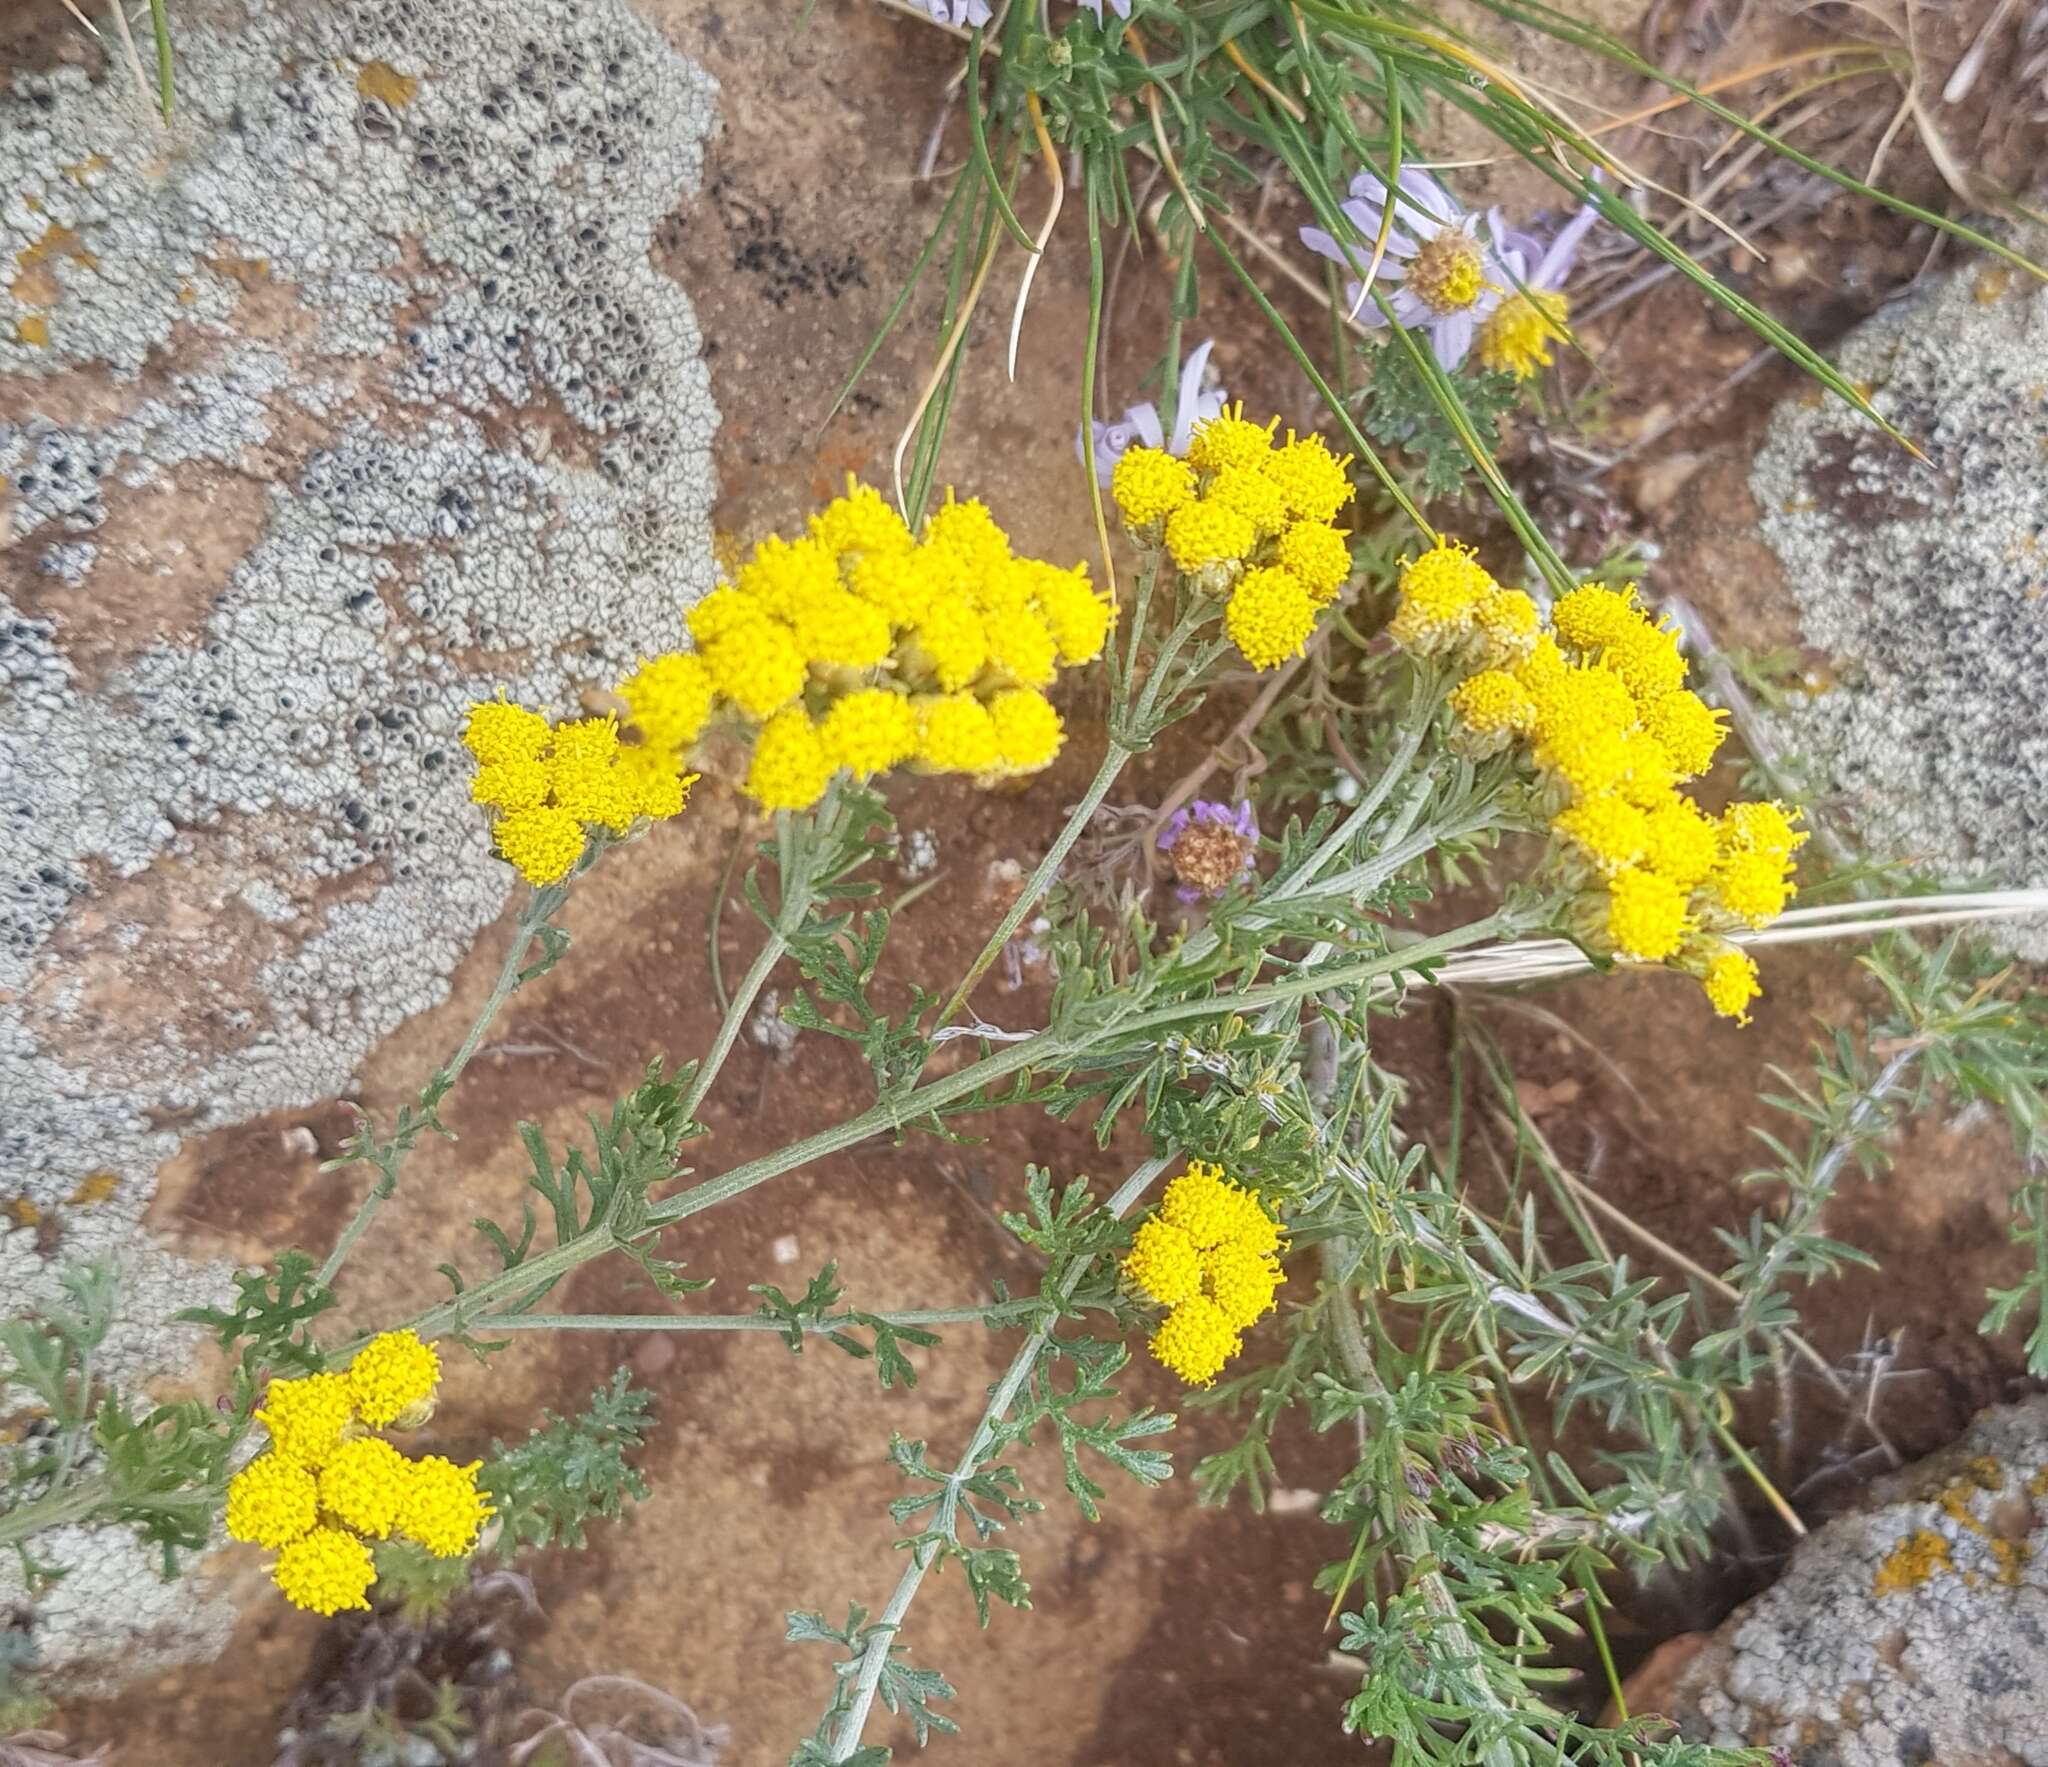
pixel 1163 1634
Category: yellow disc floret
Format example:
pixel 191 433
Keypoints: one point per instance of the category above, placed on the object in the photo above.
pixel 968 534
pixel 901 584
pixel 542 844
pixel 838 629
pixel 1588 757
pixel 860 523
pixel 1608 830
pixel 1230 439
pixel 442 1509
pixel 652 785
pixel 1686 729
pixel 1162 1264
pixel 1203 533
pixel 1509 624
pixel 1516 336
pixel 1203 1204
pixel 1680 842
pixel 1253 495
pixel 722 613
pixel 1078 616
pixel 1494 704
pixel 669 697
pixel 1149 484
pixel 1314 482
pixel 364 1485
pixel 1648 660
pixel 869 731
pixel 1269 617
pixel 325 1571
pixel 391 1374
pixel 1645 916
pixel 1318 557
pixel 790 768
pixel 1240 1281
pixel 305 1417
pixel 757 666
pixel 956 734
pixel 952 641
pixel 273 1500
pixel 1021 646
pixel 1029 730
pixel 1196 1341
pixel 1731 983
pixel 1752 886
pixel 1761 826
pixel 510 785
pixel 498 731
pixel 1440 595
pixel 1591 617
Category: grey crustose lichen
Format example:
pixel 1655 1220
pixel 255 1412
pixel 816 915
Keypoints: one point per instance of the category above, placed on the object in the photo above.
pixel 1927 583
pixel 354 398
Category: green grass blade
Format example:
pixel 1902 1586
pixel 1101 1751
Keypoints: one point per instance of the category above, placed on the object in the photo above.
pixel 983 163
pixel 902 300
pixel 160 23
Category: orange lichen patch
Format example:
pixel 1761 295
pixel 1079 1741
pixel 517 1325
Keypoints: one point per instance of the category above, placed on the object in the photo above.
pixel 1910 1563
pixel 1990 285
pixel 25 1213
pixel 94 1187
pixel 2037 1486
pixel 1979 1475
pixel 35 283
pixel 187 294
pixel 249 272
pixel 33 329
pixel 2012 1557
pixel 84 169
pixel 379 79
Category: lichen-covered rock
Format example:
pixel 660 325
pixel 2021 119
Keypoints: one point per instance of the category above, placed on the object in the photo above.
pixel 349 399
pixel 1914 1631
pixel 1927 582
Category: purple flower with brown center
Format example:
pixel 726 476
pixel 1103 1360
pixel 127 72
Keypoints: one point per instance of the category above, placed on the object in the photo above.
pixel 1210 846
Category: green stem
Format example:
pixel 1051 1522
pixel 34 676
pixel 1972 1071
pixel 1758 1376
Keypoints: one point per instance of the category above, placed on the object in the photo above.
pixel 868 1679
pixel 162 26
pixel 997 1314
pixel 541 907
pixel 74 1503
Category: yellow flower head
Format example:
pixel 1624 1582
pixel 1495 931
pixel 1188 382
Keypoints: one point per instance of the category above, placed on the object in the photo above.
pixel 1028 730
pixel 1241 1282
pixel 1149 484
pixel 721 614
pixel 1162 1264
pixel 952 641
pixel 1253 1228
pixel 1229 439
pixel 757 666
pixel 836 628
pixel 1252 495
pixel 325 1571
pixel 901 584
pixel 790 769
pixel 391 1374
pixel 859 524
pixel 968 534
pixel 442 1509
pixel 305 1417
pixel 1202 533
pixel 1203 1204
pixel 1196 1340
pixel 1761 826
pixel 1645 916
pixel 582 777
pixel 1314 482
pixel 498 731
pixel 652 785
pixel 1510 625
pixel 1440 595
pixel 1610 831
pixel 669 697
pixel 1588 757
pixel 1650 780
pixel 1752 886
pixel 869 731
pixel 272 1501
pixel 1515 338
pixel 1686 729
pixel 783 575
pixel 956 734
pixel 1732 983
pixel 1591 617
pixel 510 785
pixel 542 844
pixel 1544 666
pixel 1269 617
pixel 1648 660
pixel 1021 645
pixel 1680 842
pixel 1582 696
pixel 1493 704
pixel 1317 556
pixel 1080 618
pixel 364 1485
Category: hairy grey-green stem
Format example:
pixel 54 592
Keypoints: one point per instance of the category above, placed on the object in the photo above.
pixel 997 1313
pixel 876 1657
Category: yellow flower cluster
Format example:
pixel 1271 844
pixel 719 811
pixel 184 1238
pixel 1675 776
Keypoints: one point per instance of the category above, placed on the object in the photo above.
pixel 859 648
pixel 1598 703
pixel 1245 518
pixel 325 1487
pixel 551 785
pixel 1211 1256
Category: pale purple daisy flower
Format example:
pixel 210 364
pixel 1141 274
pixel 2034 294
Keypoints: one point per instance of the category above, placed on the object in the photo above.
pixel 1141 423
pixel 966 15
pixel 1122 8
pixel 1211 846
pixel 1442 274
